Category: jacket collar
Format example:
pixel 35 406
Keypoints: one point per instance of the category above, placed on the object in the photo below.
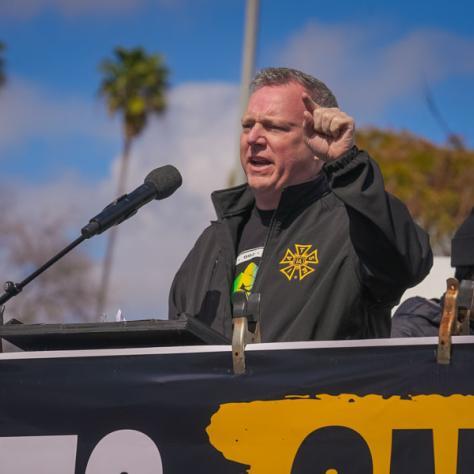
pixel 304 194
pixel 239 199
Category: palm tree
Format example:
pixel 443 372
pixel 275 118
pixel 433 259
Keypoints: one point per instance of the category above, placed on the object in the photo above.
pixel 133 85
pixel 2 63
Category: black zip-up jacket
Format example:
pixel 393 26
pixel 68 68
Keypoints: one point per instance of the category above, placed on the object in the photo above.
pixel 339 254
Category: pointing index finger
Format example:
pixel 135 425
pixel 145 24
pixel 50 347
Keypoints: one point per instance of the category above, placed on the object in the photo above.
pixel 309 103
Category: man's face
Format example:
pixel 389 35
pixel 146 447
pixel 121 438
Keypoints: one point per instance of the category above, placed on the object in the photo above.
pixel 272 148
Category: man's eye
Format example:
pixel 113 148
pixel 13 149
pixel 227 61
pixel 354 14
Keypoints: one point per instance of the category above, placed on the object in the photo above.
pixel 246 126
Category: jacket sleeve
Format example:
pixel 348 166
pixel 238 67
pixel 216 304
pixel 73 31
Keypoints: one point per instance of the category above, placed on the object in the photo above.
pixel 175 303
pixel 394 252
pixel 178 297
pixel 188 287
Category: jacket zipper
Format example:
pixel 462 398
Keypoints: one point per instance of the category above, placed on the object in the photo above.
pixel 265 245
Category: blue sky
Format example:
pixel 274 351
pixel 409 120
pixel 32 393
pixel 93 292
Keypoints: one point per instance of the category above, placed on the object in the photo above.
pixel 56 139
pixel 56 45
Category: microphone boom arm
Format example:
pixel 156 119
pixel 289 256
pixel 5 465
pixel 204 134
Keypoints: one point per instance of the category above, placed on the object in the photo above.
pixel 159 184
pixel 12 289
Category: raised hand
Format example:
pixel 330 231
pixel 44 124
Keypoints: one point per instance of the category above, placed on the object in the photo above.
pixel 328 132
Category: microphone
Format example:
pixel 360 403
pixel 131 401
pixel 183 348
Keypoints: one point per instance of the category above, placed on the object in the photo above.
pixel 160 183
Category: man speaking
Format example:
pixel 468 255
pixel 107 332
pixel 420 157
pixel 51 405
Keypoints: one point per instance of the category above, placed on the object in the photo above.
pixel 313 230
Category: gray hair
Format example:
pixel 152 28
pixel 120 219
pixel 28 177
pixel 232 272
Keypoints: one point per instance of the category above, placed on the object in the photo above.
pixel 277 76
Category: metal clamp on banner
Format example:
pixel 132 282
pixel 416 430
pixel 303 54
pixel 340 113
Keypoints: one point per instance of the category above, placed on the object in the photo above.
pixel 245 318
pixel 458 309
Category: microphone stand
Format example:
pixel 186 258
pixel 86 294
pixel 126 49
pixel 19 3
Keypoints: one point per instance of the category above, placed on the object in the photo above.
pixel 12 289
pixel 159 184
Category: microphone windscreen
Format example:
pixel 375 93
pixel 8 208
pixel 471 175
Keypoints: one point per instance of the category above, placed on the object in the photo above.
pixel 166 179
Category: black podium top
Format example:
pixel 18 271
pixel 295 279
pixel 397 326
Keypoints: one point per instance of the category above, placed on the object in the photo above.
pixel 114 335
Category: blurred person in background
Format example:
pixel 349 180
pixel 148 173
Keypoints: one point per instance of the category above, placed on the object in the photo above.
pixel 418 316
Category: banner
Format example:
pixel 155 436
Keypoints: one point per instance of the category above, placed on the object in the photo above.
pixel 321 408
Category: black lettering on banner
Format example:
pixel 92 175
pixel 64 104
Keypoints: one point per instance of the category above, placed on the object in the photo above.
pixel 412 451
pixel 465 452
pixel 333 447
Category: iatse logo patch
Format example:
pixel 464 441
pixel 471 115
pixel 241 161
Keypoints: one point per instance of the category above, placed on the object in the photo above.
pixel 300 262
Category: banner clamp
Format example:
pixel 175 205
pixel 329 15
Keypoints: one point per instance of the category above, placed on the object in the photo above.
pixel 246 326
pixel 458 309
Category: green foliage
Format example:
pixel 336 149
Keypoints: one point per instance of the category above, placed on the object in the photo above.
pixel 134 85
pixel 435 182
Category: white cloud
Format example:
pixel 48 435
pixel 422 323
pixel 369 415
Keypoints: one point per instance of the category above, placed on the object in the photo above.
pixel 198 135
pixel 28 111
pixel 367 73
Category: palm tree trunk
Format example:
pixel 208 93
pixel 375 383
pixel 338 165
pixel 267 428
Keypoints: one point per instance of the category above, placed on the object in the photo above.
pixel 112 235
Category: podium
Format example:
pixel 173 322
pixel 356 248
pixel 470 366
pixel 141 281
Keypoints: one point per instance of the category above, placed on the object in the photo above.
pixel 185 331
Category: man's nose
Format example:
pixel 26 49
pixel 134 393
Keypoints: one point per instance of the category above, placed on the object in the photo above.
pixel 256 135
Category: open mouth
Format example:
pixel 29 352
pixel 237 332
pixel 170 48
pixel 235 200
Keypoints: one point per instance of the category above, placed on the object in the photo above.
pixel 259 161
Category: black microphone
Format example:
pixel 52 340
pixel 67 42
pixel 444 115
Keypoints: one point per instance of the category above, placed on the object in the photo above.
pixel 159 184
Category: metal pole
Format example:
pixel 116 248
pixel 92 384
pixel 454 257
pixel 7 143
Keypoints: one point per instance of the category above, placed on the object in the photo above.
pixel 248 69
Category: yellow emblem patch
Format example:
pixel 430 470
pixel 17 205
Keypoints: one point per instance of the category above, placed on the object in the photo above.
pixel 299 263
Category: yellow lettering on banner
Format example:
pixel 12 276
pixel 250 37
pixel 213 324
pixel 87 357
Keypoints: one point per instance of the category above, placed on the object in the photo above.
pixel 267 434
